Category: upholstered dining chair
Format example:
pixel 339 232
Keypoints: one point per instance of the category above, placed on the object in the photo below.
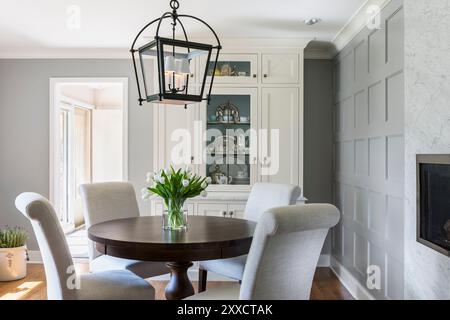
pixel 262 197
pixel 109 201
pixel 63 283
pixel 283 256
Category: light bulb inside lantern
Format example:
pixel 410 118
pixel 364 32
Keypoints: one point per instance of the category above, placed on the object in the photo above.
pixel 182 66
pixel 169 64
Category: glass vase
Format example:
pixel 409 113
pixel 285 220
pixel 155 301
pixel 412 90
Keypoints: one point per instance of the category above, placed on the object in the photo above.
pixel 174 217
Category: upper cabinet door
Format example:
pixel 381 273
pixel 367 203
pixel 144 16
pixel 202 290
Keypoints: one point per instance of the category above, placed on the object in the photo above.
pixel 280 68
pixel 234 68
pixel 278 139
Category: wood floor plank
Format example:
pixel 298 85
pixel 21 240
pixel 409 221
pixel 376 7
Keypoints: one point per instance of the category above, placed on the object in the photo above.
pixel 326 286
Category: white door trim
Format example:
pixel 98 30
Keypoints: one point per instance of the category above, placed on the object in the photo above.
pixel 54 138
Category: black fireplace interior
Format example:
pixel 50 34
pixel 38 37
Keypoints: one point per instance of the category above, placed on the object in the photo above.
pixel 434 205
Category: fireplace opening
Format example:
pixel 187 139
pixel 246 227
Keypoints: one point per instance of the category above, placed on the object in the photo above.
pixel 433 207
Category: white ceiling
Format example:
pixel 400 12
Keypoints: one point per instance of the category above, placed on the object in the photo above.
pixel 35 24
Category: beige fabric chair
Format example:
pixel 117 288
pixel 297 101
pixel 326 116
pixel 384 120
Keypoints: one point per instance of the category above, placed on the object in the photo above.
pixel 262 197
pixel 283 256
pixel 62 280
pixel 109 201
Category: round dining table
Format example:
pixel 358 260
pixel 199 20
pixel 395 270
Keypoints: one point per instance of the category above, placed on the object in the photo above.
pixel 143 238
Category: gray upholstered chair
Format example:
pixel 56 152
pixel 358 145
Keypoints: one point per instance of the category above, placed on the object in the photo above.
pixel 262 197
pixel 283 255
pixel 62 280
pixel 109 201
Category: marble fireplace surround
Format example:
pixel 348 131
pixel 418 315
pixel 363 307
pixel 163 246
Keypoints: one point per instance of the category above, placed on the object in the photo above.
pixel 427 131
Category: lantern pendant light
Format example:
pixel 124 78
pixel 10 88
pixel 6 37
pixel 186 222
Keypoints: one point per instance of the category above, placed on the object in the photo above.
pixel 173 57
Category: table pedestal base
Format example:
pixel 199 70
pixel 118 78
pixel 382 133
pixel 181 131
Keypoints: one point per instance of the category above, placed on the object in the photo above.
pixel 179 286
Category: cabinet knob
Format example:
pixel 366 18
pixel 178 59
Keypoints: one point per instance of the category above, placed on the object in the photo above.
pixel 224 213
pixel 254 76
pixel 265 75
pixel 191 75
pixel 231 214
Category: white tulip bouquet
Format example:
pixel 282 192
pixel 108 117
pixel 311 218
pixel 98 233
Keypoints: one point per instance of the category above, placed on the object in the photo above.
pixel 174 187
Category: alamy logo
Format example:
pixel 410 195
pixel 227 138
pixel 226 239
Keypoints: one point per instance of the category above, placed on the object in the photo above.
pixel 374 20
pixel 73 21
pixel 232 147
pixel 73 281
pixel 373 278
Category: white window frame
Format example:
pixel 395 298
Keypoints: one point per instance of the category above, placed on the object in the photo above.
pixel 55 100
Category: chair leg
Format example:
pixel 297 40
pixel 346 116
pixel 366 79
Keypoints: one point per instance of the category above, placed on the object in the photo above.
pixel 202 278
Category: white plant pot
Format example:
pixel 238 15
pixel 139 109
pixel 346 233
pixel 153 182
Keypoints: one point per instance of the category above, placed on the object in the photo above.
pixel 13 263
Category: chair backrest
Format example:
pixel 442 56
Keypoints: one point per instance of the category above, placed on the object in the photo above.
pixel 285 250
pixel 265 196
pixel 58 264
pixel 107 201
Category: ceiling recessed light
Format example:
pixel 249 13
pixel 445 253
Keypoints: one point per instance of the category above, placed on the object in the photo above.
pixel 312 21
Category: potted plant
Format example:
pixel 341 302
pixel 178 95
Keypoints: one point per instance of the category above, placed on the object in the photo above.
pixel 13 253
pixel 175 187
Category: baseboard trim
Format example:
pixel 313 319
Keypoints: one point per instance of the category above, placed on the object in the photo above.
pixel 324 261
pixel 34 256
pixel 349 281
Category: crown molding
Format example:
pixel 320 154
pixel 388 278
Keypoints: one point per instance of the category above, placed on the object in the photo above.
pixel 319 54
pixel 124 53
pixel 65 53
pixel 355 24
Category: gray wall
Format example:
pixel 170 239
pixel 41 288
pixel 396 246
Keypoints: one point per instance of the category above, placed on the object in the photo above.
pixel 427 70
pixel 318 132
pixel 24 127
pixel 369 153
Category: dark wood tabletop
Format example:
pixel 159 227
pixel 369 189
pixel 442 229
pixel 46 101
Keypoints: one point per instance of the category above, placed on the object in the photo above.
pixel 144 239
pixel 206 238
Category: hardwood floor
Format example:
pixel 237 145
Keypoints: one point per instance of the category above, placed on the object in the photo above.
pixel 325 286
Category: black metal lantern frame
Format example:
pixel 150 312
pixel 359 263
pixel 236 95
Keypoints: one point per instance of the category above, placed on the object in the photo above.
pixel 173 59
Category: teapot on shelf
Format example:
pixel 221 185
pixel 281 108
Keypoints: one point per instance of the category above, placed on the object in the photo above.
pixel 218 177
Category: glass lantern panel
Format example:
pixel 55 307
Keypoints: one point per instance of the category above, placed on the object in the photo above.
pixel 177 69
pixel 148 58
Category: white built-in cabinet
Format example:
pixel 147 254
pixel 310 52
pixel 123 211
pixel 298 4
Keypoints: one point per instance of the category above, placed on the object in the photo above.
pixel 280 113
pixel 267 86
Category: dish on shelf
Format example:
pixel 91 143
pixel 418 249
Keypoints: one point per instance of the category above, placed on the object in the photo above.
pixel 222 145
pixel 227 112
pixel 226 70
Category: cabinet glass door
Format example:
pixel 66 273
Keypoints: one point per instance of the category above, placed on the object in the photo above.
pixel 234 68
pixel 230 145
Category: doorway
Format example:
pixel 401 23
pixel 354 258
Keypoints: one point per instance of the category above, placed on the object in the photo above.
pixel 88 141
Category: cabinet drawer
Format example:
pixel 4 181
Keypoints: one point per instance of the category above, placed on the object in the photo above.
pixel 236 211
pixel 280 68
pixel 212 209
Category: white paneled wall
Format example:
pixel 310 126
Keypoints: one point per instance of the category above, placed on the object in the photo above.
pixel 369 153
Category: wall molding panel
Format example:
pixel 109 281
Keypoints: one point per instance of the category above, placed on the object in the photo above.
pixel 369 153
